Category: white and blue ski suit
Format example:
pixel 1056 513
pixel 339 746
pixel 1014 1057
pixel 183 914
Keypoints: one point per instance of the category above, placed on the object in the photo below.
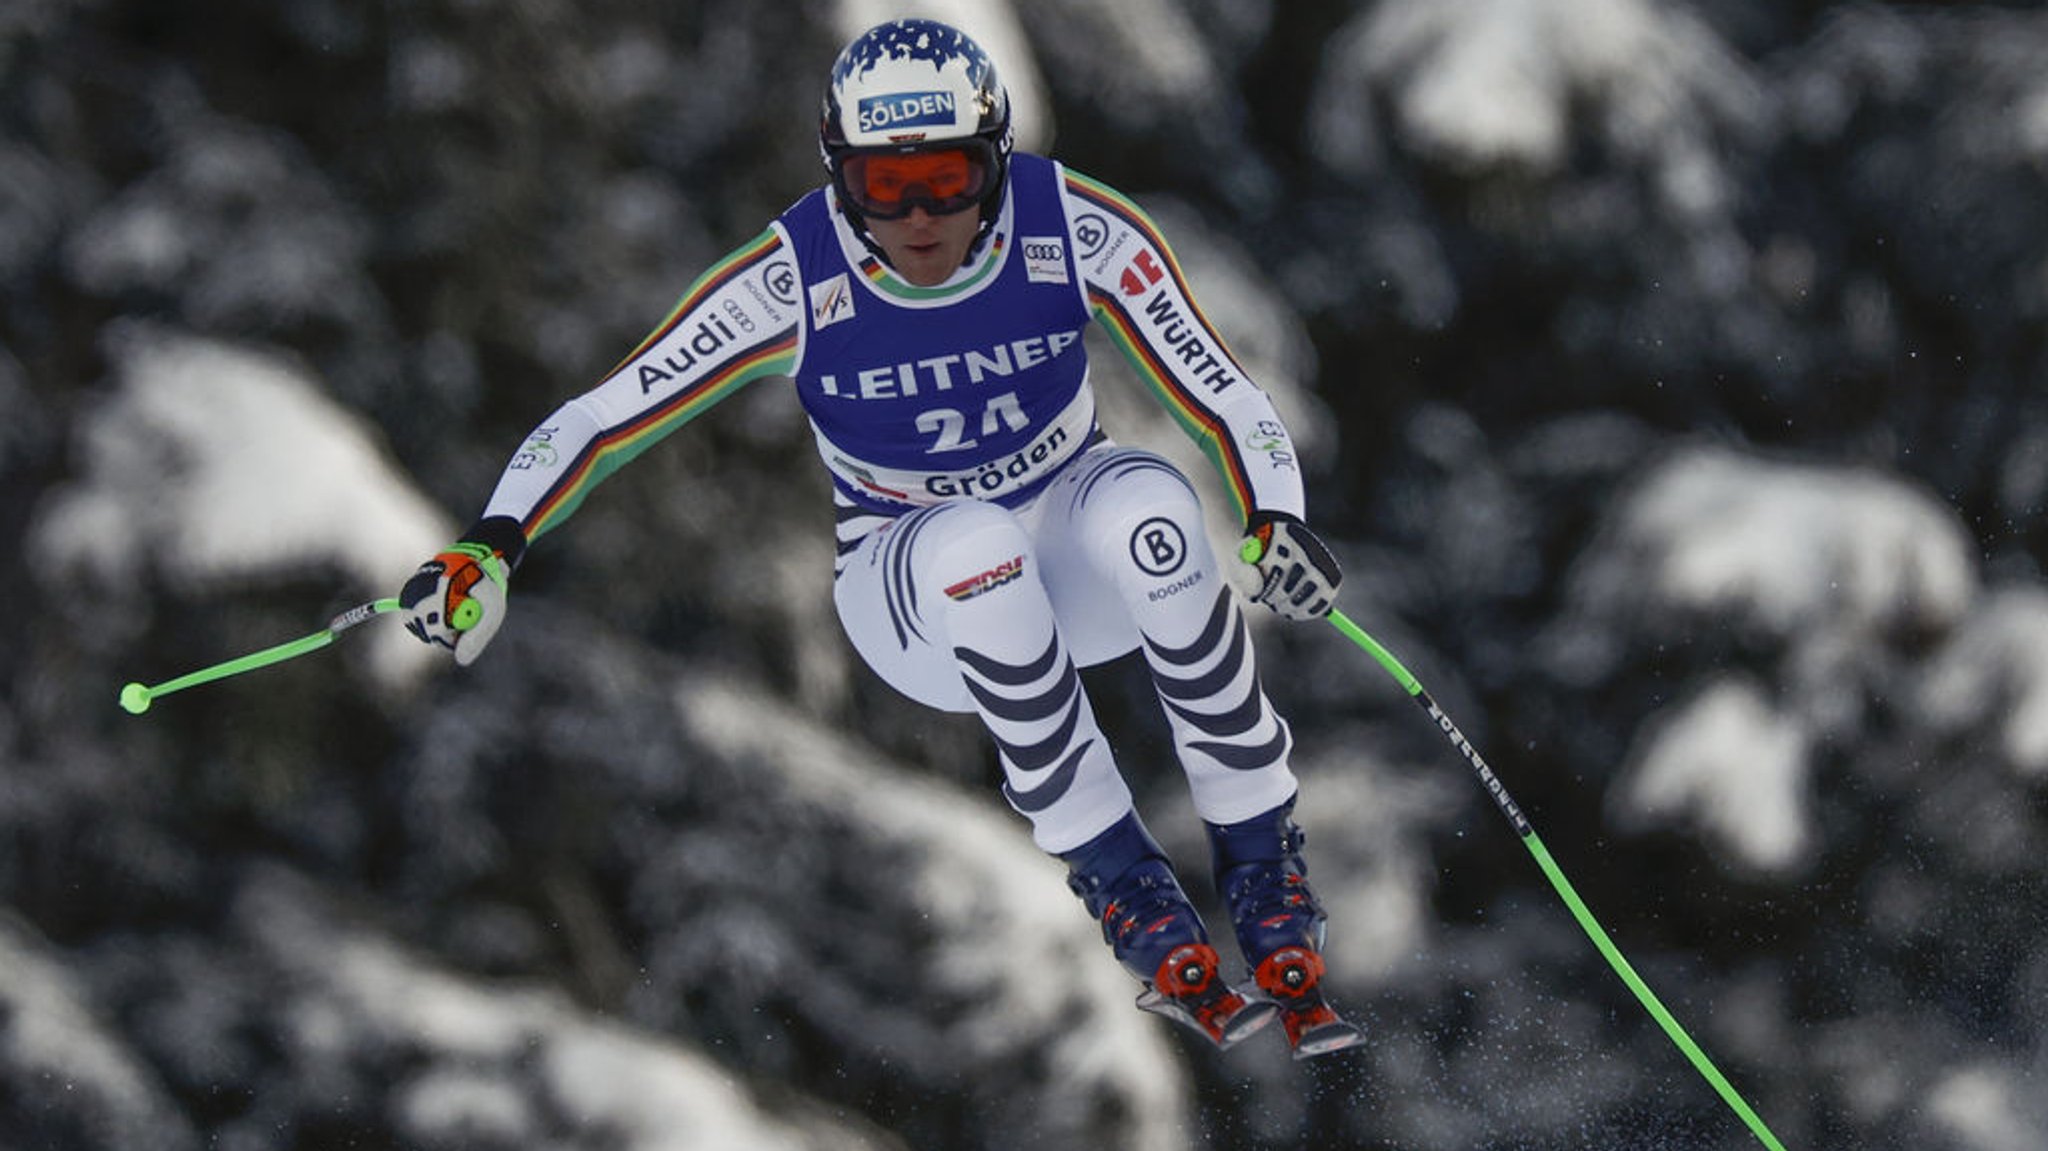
pixel 991 537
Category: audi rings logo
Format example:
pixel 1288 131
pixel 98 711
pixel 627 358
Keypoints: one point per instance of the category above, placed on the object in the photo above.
pixel 1045 258
pixel 1158 547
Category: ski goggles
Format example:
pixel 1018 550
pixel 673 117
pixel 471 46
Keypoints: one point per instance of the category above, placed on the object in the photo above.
pixel 941 180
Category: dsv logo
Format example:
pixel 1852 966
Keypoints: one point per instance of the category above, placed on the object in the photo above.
pixel 1158 547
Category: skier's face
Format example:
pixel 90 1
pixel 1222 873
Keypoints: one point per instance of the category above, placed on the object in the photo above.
pixel 923 248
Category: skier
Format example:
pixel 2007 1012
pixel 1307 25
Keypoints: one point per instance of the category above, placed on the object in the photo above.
pixel 929 303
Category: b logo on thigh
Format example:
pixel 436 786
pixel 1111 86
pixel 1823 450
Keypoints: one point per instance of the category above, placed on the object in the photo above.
pixel 1158 547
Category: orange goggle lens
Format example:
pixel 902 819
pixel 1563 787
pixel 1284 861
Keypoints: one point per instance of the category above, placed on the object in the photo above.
pixel 887 186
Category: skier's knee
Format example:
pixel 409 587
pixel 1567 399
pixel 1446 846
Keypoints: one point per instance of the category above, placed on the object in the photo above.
pixel 1134 482
pixel 968 545
pixel 1136 493
pixel 1142 521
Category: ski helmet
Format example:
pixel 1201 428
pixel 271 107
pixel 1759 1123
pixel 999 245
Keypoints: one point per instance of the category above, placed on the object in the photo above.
pixel 915 88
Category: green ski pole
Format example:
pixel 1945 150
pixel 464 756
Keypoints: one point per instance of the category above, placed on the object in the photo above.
pixel 1565 891
pixel 136 697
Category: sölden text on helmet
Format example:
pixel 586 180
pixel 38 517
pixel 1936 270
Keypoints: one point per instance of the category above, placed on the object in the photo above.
pixel 909 88
pixel 913 82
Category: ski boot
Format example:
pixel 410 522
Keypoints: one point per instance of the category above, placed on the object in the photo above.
pixel 1279 925
pixel 1124 879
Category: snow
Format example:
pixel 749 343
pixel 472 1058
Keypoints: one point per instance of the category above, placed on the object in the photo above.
pixel 1825 568
pixel 1981 1107
pixel 219 466
pixel 1492 92
pixel 2031 123
pixel 1482 83
pixel 482 1042
pixel 1774 626
pixel 1731 761
pixel 51 1038
pixel 1002 906
pixel 458 1105
pixel 1795 550
pixel 1993 671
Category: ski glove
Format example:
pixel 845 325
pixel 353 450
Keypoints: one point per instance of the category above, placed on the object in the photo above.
pixel 457 599
pixel 1298 576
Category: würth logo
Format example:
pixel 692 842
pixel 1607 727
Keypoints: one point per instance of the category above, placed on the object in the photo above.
pixel 1140 274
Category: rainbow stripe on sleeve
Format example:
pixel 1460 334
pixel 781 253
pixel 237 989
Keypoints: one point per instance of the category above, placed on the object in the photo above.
pixel 616 446
pixel 1201 423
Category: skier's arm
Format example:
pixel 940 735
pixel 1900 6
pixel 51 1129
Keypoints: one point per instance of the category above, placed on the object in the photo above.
pixel 729 329
pixel 1139 296
pixel 737 323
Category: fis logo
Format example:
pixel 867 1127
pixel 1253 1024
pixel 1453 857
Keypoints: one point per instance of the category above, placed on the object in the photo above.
pixel 831 302
pixel 987 581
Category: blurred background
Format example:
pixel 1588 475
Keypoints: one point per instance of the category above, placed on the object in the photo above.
pixel 1672 375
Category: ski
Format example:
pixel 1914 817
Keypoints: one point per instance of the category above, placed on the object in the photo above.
pixel 1190 989
pixel 1317 1029
pixel 1291 979
pixel 1235 1016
